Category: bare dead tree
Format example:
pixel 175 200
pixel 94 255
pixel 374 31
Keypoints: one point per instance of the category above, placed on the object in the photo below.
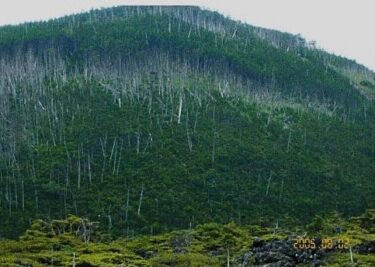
pixel 140 201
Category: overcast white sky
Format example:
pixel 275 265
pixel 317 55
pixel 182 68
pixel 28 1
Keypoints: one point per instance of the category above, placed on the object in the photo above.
pixel 345 27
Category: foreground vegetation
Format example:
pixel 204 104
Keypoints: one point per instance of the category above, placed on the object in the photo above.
pixel 76 242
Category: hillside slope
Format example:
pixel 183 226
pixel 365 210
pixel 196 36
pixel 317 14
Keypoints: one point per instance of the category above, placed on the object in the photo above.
pixel 155 118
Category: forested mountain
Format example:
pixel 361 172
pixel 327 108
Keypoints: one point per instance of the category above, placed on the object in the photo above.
pixel 148 119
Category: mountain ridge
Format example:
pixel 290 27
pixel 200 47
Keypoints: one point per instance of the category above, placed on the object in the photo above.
pixel 201 18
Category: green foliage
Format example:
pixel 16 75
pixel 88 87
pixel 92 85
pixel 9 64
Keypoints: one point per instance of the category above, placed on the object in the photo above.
pixel 368 84
pixel 185 260
pixel 250 146
pixel 147 122
pixel 205 245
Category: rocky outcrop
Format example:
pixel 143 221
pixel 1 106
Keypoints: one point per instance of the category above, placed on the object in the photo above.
pixel 367 247
pixel 279 253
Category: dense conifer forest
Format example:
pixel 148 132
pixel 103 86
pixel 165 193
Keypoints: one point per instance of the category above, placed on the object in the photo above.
pixel 143 122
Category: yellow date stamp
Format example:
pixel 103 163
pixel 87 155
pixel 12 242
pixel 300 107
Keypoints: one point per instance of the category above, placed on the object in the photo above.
pixel 321 243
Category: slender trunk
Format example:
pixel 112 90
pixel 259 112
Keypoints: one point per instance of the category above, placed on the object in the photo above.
pixel 15 191
pixel 127 206
pixel 114 146
pixel 213 150
pixel 23 196
pixel 179 110
pixel 269 183
pixel 138 141
pixel 140 201
pixel 213 138
pixel 228 257
pixel 281 190
pixel 119 160
pixel 89 167
pixel 79 175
